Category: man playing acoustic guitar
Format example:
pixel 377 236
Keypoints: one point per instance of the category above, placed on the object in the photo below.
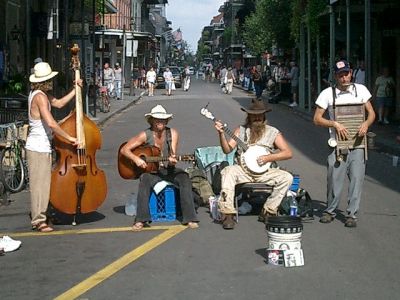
pixel 255 132
pixel 166 140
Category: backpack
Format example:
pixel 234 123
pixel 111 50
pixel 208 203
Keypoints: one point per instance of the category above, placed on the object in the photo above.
pixel 201 187
pixel 304 205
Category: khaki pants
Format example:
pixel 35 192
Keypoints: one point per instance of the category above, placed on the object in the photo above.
pixel 39 164
pixel 232 175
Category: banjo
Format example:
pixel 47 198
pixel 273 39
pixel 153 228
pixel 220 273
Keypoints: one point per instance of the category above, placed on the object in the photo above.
pixel 248 158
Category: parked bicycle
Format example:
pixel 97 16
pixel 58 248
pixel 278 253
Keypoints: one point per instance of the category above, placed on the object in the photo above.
pixel 13 164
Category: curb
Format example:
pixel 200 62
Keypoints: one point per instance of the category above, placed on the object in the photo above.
pixel 115 112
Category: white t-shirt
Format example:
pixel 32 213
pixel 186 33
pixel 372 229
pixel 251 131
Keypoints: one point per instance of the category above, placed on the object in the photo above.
pixel 356 93
pixel 168 76
pixel 151 76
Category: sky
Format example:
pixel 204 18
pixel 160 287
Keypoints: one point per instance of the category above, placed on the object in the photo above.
pixel 191 16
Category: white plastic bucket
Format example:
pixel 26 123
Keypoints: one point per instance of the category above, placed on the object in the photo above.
pixel 284 241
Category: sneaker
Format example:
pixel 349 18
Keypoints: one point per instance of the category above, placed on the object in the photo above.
pixel 326 218
pixel 8 244
pixel 293 104
pixel 385 121
pixel 350 222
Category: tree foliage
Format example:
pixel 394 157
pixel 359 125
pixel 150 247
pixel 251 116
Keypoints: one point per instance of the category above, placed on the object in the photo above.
pixel 268 26
pixel 307 11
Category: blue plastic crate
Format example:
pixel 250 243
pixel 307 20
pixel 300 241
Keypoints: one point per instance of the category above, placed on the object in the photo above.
pixel 162 206
pixel 295 184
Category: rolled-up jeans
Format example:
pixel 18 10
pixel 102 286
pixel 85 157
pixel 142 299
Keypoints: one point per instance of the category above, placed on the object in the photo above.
pixel 118 88
pixel 279 180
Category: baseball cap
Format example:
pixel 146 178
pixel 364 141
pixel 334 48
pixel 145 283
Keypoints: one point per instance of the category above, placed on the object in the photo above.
pixel 342 66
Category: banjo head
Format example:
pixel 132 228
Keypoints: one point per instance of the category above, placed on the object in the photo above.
pixel 248 159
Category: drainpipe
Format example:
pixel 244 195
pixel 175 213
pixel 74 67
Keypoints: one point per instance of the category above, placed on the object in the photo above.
pixel 348 30
pixel 367 44
pixel 332 41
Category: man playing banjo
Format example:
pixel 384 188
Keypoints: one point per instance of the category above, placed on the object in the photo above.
pixel 254 132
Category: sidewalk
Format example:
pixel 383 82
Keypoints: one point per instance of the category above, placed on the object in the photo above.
pixel 385 139
pixel 117 106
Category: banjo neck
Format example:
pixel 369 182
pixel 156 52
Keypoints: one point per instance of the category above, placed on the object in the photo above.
pixel 240 143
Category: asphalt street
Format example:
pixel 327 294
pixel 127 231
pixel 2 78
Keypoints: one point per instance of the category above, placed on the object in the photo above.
pixel 101 258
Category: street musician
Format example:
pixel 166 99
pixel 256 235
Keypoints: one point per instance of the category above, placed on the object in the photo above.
pixel 351 159
pixel 165 140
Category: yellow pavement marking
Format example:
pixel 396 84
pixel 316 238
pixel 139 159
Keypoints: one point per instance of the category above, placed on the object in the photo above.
pixel 122 262
pixel 85 231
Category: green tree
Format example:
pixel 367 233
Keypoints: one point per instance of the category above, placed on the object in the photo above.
pixel 268 26
pixel 307 11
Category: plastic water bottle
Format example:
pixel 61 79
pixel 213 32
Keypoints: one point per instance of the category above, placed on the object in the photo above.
pixel 293 206
pixel 131 205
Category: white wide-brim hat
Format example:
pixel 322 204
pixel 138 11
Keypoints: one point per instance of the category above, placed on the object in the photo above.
pixel 42 72
pixel 158 112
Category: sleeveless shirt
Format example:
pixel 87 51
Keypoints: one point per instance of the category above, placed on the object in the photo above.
pixel 150 141
pixel 40 134
pixel 267 140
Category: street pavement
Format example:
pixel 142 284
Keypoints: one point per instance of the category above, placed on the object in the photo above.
pixel 101 258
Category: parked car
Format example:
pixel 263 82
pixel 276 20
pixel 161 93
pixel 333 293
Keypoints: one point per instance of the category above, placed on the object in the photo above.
pixel 175 72
pixel 191 70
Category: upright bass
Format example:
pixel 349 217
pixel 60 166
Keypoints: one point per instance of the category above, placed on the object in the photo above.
pixel 77 184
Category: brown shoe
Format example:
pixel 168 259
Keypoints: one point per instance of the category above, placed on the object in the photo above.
pixel 263 217
pixel 228 222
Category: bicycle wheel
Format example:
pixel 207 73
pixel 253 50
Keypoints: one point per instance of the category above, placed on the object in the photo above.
pixel 100 103
pixel 106 104
pixel 12 172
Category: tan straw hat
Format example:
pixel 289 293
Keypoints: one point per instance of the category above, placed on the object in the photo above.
pixel 42 72
pixel 158 112
pixel 257 107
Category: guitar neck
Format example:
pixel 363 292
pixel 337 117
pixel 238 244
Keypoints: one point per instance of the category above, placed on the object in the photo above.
pixel 154 159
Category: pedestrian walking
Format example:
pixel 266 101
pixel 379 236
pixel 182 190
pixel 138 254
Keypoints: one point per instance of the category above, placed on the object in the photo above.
pixel 108 78
pixel 294 82
pixel 151 80
pixel 384 92
pixel 169 81
pixel 229 80
pixel 118 80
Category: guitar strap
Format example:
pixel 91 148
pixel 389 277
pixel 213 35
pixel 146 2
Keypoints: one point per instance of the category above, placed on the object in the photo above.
pixel 169 139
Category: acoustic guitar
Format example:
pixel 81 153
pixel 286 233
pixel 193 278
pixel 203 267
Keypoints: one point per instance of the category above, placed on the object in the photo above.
pixel 151 155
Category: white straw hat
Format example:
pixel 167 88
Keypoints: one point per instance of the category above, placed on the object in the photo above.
pixel 42 72
pixel 158 112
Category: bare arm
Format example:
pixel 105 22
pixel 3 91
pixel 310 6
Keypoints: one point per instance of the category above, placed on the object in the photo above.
pixel 131 145
pixel 59 103
pixel 284 151
pixel 174 147
pixel 370 119
pixel 227 146
pixel 40 105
